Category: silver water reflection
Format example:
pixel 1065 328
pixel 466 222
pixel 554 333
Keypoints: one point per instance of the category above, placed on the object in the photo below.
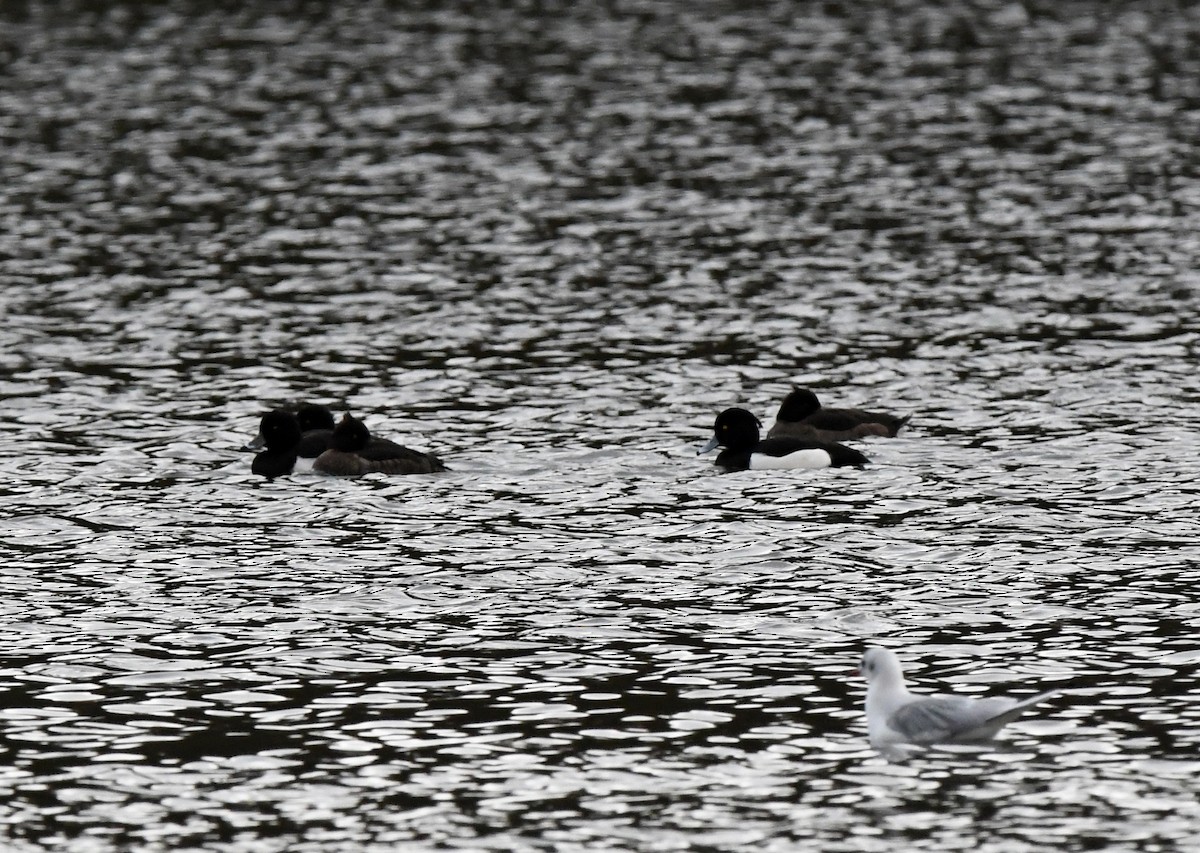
pixel 550 248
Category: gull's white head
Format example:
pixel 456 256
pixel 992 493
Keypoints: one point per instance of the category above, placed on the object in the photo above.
pixel 886 693
pixel 881 667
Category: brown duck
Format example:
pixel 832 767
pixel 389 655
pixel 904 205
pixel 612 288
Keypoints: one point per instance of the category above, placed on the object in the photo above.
pixel 349 441
pixel 803 416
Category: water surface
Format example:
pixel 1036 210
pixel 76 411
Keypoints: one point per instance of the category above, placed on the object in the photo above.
pixel 549 245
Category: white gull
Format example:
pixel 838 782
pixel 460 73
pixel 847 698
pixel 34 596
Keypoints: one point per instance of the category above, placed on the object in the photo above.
pixel 898 718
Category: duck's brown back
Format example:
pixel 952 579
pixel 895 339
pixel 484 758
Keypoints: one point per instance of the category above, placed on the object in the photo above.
pixel 808 432
pixel 410 463
pixel 340 463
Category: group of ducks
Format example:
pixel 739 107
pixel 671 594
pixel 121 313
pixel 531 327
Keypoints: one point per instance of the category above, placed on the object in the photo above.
pixel 287 438
pixel 805 435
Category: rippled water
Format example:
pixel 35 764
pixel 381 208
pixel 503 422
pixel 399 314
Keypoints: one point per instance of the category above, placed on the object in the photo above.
pixel 550 245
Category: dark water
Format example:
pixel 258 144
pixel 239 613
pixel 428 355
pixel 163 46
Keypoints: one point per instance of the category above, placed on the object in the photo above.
pixel 549 244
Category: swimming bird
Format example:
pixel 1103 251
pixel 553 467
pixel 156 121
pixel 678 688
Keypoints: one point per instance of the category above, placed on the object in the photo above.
pixel 801 413
pixel 347 454
pixel 316 424
pixel 316 428
pixel 736 430
pixel 279 432
pixel 898 718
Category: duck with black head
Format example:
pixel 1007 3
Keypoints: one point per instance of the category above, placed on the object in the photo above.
pixel 737 431
pixel 277 443
pixel 347 454
pixel 316 424
pixel 316 428
pixel 801 415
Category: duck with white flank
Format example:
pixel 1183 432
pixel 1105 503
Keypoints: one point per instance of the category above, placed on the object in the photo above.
pixel 737 430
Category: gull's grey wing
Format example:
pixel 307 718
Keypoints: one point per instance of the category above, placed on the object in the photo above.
pixel 937 719
pixel 1008 710
pixel 941 718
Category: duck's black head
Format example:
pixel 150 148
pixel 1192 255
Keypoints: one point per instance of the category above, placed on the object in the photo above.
pixel 312 416
pixel 279 433
pixel 351 435
pixel 798 405
pixel 280 430
pixel 736 429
